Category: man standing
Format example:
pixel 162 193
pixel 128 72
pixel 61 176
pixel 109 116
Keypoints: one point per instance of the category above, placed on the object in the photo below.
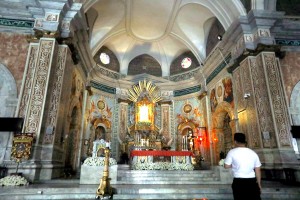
pixel 245 165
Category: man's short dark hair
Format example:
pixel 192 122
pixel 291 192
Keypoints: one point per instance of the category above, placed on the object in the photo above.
pixel 240 137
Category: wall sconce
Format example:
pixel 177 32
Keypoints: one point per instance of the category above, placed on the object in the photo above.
pixel 201 134
pixel 86 142
pixel 246 97
pixel 220 37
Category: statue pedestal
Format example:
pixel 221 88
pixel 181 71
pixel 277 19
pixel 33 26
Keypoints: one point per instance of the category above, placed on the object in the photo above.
pixel 93 174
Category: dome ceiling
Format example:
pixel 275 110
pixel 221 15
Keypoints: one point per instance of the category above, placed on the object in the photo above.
pixel 145 36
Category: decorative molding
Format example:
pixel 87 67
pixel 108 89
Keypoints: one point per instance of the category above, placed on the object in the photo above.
pixel 108 73
pixel 28 79
pixel 103 88
pixel 218 69
pixel 263 107
pixel 56 93
pixel 277 98
pixel 16 23
pixel 286 42
pixel 186 91
pixel 184 76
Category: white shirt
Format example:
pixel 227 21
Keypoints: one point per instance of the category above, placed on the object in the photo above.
pixel 243 161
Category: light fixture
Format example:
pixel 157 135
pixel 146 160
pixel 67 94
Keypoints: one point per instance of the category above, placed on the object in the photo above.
pixel 201 132
pixel 186 62
pixel 220 37
pixel 104 58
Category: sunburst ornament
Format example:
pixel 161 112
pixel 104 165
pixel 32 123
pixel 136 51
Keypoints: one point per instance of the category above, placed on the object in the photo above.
pixel 144 87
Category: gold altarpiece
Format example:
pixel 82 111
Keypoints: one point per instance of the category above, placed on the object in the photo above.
pixel 144 133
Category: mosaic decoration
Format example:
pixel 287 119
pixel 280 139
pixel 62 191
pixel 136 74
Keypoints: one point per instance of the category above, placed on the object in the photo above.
pixel 16 23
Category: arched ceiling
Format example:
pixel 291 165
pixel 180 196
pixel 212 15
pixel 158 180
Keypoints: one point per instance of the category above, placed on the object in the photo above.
pixel 164 30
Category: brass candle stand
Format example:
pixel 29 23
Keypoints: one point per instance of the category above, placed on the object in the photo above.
pixel 104 190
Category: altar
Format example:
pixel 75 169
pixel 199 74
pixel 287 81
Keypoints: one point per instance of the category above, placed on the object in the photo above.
pixel 161 160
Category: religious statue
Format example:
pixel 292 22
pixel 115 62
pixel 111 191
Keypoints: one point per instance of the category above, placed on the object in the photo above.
pixel 97 144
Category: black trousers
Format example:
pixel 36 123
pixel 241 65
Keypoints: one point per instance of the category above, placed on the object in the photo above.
pixel 245 189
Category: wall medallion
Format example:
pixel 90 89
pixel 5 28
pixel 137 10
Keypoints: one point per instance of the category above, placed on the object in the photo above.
pixel 101 104
pixel 187 108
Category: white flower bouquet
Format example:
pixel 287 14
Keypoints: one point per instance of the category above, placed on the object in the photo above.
pixel 163 166
pixel 13 181
pixel 221 162
pixel 98 161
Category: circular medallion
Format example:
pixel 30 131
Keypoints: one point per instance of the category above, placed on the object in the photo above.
pixel 219 91
pixel 101 104
pixel 187 108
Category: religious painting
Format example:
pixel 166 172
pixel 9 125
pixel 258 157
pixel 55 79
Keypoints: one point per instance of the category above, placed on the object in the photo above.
pixel 21 147
pixel 213 100
pixel 228 92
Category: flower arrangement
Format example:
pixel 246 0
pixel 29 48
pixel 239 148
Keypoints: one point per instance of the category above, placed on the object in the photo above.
pixel 221 162
pixel 13 181
pixel 98 161
pixel 163 166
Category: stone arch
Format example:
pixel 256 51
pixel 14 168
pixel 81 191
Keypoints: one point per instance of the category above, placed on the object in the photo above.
pixel 223 110
pixel 8 93
pixel 295 104
pixel 8 104
pixel 295 112
pixel 184 129
pixel 72 131
pixel 219 114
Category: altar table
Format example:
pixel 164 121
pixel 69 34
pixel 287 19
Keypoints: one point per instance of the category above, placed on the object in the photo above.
pixel 151 157
pixel 159 153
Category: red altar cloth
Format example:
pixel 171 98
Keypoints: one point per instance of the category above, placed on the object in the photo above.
pixel 159 153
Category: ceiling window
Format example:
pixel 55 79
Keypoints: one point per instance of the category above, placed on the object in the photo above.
pixel 104 58
pixel 186 62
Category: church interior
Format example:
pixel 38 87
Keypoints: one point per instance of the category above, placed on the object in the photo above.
pixel 163 85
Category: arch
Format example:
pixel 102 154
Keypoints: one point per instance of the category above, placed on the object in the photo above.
pixel 72 141
pixel 294 105
pixel 8 104
pixel 222 110
pixel 8 92
pixel 144 64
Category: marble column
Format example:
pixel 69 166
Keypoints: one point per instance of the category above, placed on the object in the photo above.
pixel 263 115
